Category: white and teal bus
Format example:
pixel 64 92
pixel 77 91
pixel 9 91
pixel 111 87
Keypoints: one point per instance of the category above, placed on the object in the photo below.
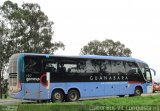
pixel 69 78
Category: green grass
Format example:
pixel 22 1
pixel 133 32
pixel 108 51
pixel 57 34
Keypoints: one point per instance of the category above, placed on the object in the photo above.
pixel 141 100
pixel 85 105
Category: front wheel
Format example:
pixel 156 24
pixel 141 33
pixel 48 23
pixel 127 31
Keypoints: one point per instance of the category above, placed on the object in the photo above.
pixel 57 96
pixel 137 91
pixel 73 95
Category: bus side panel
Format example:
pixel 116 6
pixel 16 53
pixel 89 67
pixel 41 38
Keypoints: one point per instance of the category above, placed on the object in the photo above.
pixel 31 91
pixel 66 86
pixel 124 88
pixel 44 93
pixel 111 88
pixel 95 89
pixel 86 89
pixel 92 89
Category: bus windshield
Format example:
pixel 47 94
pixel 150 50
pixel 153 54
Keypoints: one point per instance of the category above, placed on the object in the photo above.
pixel 146 73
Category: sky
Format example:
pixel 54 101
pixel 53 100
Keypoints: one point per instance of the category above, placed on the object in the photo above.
pixel 135 23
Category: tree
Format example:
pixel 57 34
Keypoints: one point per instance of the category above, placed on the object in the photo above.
pixel 29 28
pixel 107 47
pixel 3 55
pixel 24 28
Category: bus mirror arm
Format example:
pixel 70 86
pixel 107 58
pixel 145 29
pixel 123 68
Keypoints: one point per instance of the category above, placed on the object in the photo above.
pixel 152 70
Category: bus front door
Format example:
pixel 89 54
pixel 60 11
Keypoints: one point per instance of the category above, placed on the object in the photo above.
pixel 45 86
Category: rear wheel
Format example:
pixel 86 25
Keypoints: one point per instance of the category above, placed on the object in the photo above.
pixel 57 96
pixel 73 95
pixel 131 95
pixel 121 95
pixel 39 101
pixel 137 91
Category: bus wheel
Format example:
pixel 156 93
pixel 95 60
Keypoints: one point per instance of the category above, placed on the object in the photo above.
pixel 137 91
pixel 73 95
pixel 57 96
pixel 39 101
pixel 121 95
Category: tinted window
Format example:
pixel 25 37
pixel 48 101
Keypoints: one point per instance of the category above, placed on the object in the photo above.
pixel 33 64
pixel 78 67
pixel 92 66
pixel 50 65
pixel 118 67
pixel 106 67
pixel 67 66
pixel 131 68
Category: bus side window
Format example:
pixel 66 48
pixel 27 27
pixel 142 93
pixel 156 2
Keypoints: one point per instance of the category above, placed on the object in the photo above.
pixel 67 66
pixel 50 66
pixel 32 65
pixel 91 67
pixel 105 67
pixel 118 67
pixel 81 67
pixel 131 68
pixel 62 68
pixel 71 68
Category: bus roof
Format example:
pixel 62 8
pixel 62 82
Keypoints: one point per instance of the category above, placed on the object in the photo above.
pixel 112 58
pixel 90 57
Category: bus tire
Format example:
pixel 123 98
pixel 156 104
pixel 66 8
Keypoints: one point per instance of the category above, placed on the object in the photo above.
pixel 137 91
pixel 73 95
pixel 121 95
pixel 57 96
pixel 131 95
pixel 39 101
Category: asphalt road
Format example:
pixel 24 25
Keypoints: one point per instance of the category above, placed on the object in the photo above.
pixel 12 101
